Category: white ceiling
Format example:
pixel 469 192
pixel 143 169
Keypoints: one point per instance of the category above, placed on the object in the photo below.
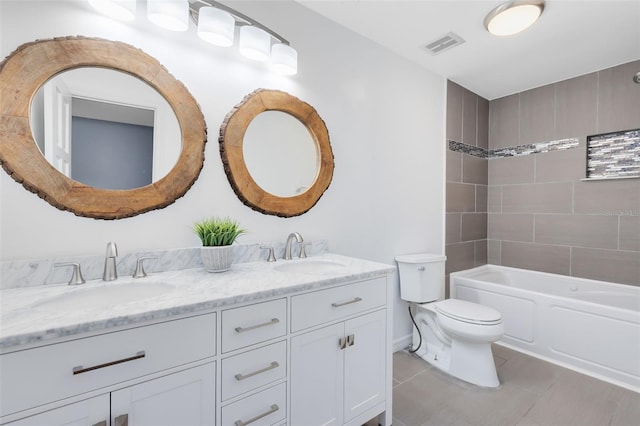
pixel 572 37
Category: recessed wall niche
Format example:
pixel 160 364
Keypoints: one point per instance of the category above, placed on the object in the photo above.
pixel 614 155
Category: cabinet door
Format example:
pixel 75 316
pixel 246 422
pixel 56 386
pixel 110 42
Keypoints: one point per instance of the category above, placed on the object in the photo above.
pixel 186 398
pixel 317 377
pixel 90 412
pixel 364 363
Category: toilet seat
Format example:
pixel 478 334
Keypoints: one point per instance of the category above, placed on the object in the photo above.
pixel 468 312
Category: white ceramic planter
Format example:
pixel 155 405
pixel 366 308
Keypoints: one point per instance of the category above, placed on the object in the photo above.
pixel 217 259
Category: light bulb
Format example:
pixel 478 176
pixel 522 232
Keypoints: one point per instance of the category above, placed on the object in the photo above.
pixel 123 10
pixel 284 59
pixel 255 43
pixel 172 15
pixel 216 26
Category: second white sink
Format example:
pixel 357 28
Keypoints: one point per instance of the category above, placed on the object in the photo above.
pixel 310 266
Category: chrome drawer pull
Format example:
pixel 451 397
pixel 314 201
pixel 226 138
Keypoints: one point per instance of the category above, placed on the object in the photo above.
pixel 80 369
pixel 271 366
pixel 351 339
pixel 356 300
pixel 342 343
pixel 253 327
pixel 272 410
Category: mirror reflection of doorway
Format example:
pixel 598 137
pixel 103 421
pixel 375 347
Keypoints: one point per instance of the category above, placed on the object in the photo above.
pixel 111 144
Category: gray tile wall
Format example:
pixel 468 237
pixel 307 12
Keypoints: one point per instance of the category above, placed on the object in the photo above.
pixel 541 215
pixel 467 179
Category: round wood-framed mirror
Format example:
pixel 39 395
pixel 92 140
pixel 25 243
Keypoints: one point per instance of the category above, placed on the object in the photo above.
pixel 31 65
pixel 243 180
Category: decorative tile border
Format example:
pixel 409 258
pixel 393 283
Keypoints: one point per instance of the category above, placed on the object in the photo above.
pixel 514 151
pixel 535 148
pixel 468 149
pixel 614 155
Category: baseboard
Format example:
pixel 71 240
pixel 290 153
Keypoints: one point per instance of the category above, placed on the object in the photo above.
pixel 402 343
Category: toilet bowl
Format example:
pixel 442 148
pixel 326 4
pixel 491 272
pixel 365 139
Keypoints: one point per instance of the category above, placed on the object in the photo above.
pixel 452 335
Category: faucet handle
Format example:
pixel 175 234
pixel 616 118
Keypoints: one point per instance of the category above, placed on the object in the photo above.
pixel 140 272
pixel 272 255
pixel 303 252
pixel 76 276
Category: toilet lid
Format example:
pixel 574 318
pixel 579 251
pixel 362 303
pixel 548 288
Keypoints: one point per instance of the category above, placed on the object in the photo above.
pixel 461 310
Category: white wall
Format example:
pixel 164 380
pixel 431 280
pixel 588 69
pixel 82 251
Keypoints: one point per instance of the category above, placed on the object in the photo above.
pixel 385 118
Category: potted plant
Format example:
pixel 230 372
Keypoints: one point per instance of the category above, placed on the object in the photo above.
pixel 217 235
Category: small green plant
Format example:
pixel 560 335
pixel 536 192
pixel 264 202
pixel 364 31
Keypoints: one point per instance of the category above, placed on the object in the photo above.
pixel 215 231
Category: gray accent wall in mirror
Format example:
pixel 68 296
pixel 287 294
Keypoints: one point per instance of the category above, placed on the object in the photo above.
pixel 276 153
pixel 98 75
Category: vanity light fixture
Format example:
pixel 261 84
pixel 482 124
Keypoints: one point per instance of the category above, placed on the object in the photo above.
pixel 216 24
pixel 255 43
pixel 171 15
pixel 513 17
pixel 123 10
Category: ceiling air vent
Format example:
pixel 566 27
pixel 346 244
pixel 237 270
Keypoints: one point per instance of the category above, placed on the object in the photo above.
pixel 443 43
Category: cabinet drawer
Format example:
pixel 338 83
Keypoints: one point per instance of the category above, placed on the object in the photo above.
pixel 264 408
pixel 323 306
pixel 247 371
pixel 251 324
pixel 37 376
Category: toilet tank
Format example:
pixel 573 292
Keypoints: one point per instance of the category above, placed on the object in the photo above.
pixel 421 277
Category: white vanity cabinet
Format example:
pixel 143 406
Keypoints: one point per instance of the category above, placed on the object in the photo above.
pixel 182 398
pixel 90 412
pixel 146 369
pixel 253 374
pixel 311 353
pixel 339 372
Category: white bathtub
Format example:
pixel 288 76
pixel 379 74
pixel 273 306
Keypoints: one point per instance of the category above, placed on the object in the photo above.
pixel 587 325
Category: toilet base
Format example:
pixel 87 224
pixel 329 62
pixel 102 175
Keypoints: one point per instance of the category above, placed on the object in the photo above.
pixel 468 361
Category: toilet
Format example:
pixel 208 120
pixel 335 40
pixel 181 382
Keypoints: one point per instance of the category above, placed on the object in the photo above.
pixel 453 335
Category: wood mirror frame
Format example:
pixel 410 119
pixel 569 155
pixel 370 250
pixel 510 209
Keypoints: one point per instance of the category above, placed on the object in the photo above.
pixel 33 64
pixel 232 134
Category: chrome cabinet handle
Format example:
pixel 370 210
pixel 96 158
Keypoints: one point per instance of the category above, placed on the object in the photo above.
pixel 337 305
pixel 272 410
pixel 102 423
pixel 342 343
pixel 351 339
pixel 271 366
pixel 80 369
pixel 122 420
pixel 253 327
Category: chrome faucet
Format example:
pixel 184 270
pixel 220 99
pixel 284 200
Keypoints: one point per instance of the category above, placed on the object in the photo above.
pixel 287 246
pixel 110 272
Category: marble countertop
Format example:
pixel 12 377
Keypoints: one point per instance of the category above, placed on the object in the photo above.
pixel 26 319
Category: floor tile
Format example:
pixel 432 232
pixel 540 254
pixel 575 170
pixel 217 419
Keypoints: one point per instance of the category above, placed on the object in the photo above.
pixel 406 365
pixel 533 393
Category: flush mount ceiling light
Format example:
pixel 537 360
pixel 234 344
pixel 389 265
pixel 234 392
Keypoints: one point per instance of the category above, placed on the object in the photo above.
pixel 513 17
pixel 216 24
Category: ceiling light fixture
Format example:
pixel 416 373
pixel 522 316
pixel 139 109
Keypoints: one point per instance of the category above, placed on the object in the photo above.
pixel 216 24
pixel 513 17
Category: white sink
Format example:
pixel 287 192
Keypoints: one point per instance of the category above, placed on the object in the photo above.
pixel 310 266
pixel 87 296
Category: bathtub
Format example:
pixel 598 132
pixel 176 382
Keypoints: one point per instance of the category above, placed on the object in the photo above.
pixel 586 325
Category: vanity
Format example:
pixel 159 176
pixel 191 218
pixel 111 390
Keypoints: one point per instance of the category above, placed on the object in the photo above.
pixel 299 342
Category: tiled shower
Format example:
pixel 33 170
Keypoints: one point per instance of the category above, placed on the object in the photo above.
pixel 516 188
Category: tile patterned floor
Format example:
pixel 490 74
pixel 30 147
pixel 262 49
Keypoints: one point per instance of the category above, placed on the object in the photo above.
pixel 533 392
